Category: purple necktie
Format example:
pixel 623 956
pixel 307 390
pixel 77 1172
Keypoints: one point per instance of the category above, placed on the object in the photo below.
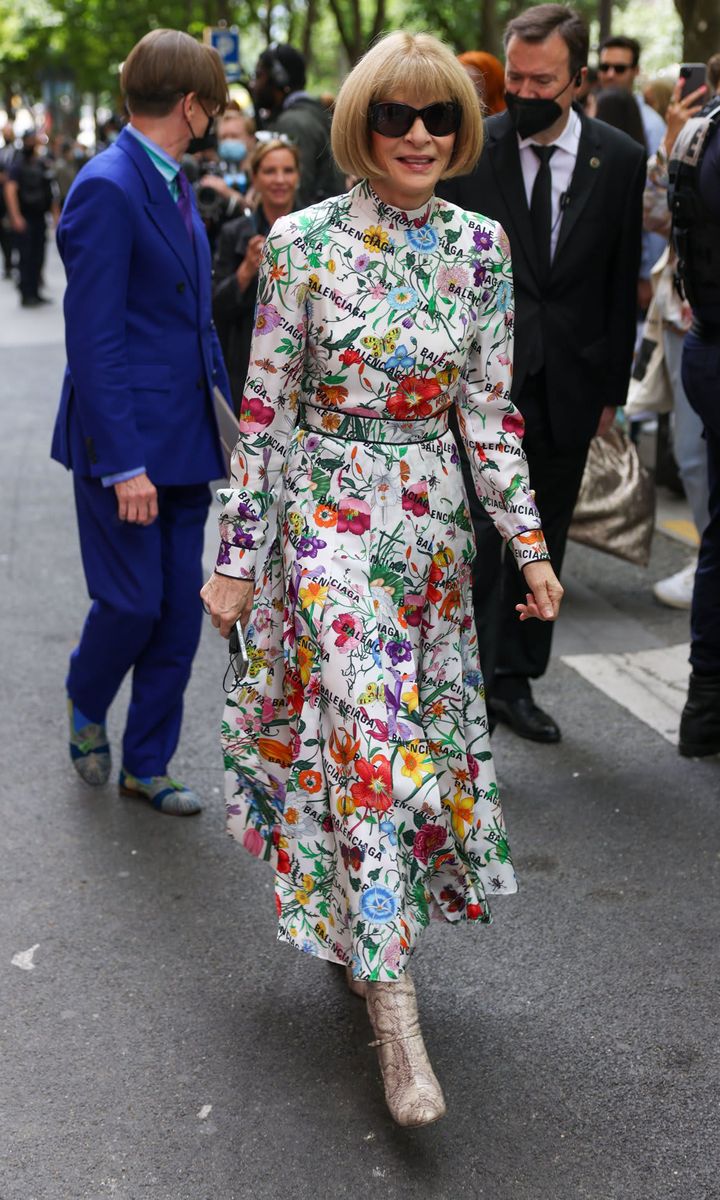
pixel 184 203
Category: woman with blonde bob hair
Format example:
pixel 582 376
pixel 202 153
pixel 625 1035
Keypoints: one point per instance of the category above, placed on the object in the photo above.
pixel 356 746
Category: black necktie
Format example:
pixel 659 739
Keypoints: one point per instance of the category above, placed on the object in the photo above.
pixel 541 208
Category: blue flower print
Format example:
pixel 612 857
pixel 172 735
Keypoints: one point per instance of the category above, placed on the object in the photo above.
pixel 402 298
pixel 425 240
pixel 503 296
pixel 388 828
pixel 379 905
pixel 400 360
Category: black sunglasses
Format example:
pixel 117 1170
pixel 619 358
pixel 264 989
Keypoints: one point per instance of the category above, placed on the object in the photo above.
pixel 395 120
pixel 618 68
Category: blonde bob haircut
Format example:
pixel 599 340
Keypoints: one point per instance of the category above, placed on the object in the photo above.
pixel 261 151
pixel 418 69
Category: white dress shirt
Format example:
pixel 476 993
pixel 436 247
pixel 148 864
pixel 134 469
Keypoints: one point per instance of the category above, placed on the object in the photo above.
pixel 562 165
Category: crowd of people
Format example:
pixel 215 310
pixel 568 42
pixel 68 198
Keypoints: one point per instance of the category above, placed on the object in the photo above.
pixel 424 308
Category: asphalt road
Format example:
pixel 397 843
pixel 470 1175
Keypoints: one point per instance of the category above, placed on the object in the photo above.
pixel 164 1046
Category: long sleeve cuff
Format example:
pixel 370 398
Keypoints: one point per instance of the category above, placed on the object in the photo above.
pixel 122 476
pixel 529 547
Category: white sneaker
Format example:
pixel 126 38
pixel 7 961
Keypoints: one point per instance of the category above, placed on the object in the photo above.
pixel 677 590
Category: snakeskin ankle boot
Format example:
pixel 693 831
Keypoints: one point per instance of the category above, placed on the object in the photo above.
pixel 413 1094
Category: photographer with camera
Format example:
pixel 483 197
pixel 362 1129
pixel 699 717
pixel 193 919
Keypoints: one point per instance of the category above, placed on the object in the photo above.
pixel 215 167
pixel 275 174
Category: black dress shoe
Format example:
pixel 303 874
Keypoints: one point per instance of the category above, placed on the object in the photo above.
pixel 525 718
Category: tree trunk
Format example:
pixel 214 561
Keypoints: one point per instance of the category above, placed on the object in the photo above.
pixel 701 28
pixel 489 36
pixel 605 18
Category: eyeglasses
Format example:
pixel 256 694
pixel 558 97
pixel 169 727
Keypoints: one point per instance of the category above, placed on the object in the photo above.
pixel 618 68
pixel 395 120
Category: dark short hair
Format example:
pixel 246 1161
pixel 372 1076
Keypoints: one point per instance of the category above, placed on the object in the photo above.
pixel 713 71
pixel 620 42
pixel 539 23
pixel 292 66
pixel 618 107
pixel 167 64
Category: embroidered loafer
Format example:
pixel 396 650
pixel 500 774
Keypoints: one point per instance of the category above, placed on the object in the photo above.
pixel 89 750
pixel 163 793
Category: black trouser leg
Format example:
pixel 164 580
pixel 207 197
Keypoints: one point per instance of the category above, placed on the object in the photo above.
pixel 32 255
pixel 524 647
pixel 701 378
pixel 511 651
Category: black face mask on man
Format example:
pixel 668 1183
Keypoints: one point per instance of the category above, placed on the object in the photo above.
pixel 532 115
pixel 207 142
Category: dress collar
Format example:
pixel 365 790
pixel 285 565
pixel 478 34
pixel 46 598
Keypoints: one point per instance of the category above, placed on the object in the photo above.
pixel 413 218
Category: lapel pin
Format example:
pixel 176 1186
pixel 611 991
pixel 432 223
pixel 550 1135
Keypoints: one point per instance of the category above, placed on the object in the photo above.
pixel 594 162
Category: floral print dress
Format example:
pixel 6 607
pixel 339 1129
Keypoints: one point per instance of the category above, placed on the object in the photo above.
pixel 356 751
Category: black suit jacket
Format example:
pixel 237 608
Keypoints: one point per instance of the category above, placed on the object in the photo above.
pixel 585 313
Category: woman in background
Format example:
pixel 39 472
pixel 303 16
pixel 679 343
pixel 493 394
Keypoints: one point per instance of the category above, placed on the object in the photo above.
pixel 274 169
pixel 487 76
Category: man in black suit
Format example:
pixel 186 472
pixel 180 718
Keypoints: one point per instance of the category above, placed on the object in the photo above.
pixel 568 192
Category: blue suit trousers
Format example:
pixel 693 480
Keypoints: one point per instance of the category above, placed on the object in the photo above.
pixel 146 615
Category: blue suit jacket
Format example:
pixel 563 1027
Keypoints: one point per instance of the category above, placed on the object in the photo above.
pixel 142 351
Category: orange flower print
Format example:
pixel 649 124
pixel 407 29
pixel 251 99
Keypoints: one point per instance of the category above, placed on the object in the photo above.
pixel 343 750
pixel 331 394
pixel 325 516
pixel 330 421
pixel 310 781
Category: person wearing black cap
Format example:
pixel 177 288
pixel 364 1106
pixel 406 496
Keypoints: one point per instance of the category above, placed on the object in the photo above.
pixel 285 108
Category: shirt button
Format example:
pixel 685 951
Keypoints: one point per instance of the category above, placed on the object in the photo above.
pixel 198 383
pixel 180 287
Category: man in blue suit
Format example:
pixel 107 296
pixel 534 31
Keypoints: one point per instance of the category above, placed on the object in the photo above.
pixel 136 423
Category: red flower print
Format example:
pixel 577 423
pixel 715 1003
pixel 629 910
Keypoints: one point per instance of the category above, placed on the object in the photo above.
pixel 254 841
pixel 283 863
pixel 294 691
pixel 349 357
pixel 278 904
pixel 254 415
pixel 428 840
pixel 415 499
pixel 514 423
pixel 374 789
pixel 412 609
pixel 349 630
pixel 474 912
pixel 413 398
pixel 353 515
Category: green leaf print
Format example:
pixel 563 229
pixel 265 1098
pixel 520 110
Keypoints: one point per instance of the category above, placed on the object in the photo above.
pixel 350 339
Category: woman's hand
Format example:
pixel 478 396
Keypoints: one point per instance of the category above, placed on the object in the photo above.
pixel 228 600
pixel 679 110
pixel 250 265
pixel 543 601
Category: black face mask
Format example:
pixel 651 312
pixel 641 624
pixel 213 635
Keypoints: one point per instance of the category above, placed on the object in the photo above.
pixel 207 142
pixel 532 116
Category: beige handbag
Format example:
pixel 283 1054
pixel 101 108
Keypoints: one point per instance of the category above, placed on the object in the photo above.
pixel 615 511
